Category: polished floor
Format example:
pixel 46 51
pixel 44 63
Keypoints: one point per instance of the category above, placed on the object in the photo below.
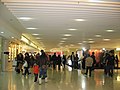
pixel 67 79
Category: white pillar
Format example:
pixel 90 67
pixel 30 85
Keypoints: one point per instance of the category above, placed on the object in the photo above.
pixel 5 56
pixel 0 54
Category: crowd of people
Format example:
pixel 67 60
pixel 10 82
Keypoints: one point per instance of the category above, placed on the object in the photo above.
pixel 41 61
pixel 37 62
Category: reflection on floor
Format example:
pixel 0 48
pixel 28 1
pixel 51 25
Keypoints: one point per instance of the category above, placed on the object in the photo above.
pixel 67 79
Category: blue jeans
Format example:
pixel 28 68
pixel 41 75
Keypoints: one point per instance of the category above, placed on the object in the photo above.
pixel 43 73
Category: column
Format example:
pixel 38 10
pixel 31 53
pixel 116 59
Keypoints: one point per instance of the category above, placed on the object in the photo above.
pixel 5 54
pixel 0 53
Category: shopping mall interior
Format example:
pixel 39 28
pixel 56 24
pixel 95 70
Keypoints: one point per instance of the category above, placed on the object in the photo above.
pixel 61 27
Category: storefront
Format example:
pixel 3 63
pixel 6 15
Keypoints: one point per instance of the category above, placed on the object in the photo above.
pixel 14 49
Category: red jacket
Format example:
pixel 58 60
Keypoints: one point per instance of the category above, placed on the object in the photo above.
pixel 36 69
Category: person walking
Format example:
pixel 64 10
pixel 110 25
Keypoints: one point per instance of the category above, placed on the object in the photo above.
pixel 54 59
pixel 27 59
pixel 43 59
pixel 110 63
pixel 64 60
pixel 94 60
pixel 59 62
pixel 89 63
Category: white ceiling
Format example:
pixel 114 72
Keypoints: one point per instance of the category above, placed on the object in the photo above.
pixel 52 18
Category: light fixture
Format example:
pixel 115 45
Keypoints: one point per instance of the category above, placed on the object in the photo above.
pixel 79 43
pixel 24 39
pixel 67 35
pixel 2 32
pixel 96 1
pixel 79 20
pixel 110 30
pixel 106 39
pixel 62 41
pixel 64 38
pixel 84 41
pixel 31 28
pixel 97 35
pixel 91 41
pixel 35 34
pixel 25 18
pixel 71 29
pixel 12 37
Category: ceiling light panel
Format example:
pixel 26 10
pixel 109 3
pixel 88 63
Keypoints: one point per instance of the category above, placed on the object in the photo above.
pixel 98 35
pixel 67 35
pixel 79 43
pixel 72 29
pixel 110 30
pixel 90 39
pixel 62 41
pixel 25 18
pixel 35 34
pixel 64 38
pixel 79 20
pixel 1 32
pixel 31 28
pixel 106 39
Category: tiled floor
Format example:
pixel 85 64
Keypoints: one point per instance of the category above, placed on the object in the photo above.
pixel 61 80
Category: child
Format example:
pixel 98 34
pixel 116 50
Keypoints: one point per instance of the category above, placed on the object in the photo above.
pixel 35 70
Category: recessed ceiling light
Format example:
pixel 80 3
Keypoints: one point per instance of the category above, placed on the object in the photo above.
pixel 91 41
pixel 62 41
pixel 106 39
pixel 84 41
pixel 71 29
pixel 79 20
pixel 96 1
pixel 31 28
pixel 98 35
pixel 2 32
pixel 35 34
pixel 25 18
pixel 79 43
pixel 67 35
pixel 109 30
pixel 64 38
